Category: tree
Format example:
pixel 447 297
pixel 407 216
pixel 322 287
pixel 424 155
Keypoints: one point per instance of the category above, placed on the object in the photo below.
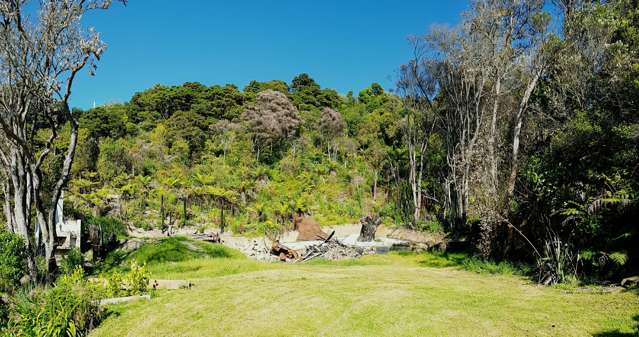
pixel 189 127
pixel 255 87
pixel 332 126
pixel 39 61
pixel 273 120
pixel 105 121
pixel 417 88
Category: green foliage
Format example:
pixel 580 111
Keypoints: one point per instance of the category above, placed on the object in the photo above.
pixel 177 248
pixel 114 159
pixel 13 263
pixel 471 263
pixel 68 309
pixel 109 227
pixel 558 264
pixel 105 121
pixel 133 281
pixel 188 127
pixel 71 261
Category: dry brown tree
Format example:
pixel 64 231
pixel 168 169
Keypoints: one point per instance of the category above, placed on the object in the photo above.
pixel 272 120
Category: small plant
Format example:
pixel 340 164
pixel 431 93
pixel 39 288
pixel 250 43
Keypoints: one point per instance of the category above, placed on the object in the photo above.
pixel 133 282
pixel 558 264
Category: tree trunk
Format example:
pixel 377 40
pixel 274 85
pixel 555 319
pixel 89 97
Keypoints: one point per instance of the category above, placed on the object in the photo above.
pixel 184 212
pixel 375 185
pixel 7 205
pixel 519 119
pixel 222 219
pixel 162 212
pixel 369 227
pixel 493 135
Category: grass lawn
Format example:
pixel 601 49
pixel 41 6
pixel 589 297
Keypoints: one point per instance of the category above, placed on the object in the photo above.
pixel 384 295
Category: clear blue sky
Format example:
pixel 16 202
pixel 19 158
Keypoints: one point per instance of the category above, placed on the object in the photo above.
pixel 342 44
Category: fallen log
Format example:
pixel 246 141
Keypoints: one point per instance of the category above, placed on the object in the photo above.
pixel 284 253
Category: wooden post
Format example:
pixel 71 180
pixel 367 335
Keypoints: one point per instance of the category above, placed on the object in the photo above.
pixel 184 211
pixel 162 212
pixel 222 219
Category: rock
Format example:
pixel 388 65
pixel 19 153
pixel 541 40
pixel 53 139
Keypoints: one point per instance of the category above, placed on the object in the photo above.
pixel 116 300
pixel 629 282
pixel 25 280
pixel 170 284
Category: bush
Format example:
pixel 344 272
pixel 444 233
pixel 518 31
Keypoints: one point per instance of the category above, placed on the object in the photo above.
pixel 13 265
pixel 558 264
pixel 109 227
pixel 71 261
pixel 133 282
pixel 68 309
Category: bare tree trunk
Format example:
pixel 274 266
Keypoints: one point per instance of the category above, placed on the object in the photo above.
pixel 7 205
pixel 222 225
pixel 519 119
pixel 20 210
pixel 493 135
pixel 375 177
pixel 162 212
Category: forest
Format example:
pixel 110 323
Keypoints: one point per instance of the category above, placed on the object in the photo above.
pixel 514 134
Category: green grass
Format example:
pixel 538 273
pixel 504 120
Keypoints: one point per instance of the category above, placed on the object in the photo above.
pixel 474 264
pixel 163 254
pixel 380 295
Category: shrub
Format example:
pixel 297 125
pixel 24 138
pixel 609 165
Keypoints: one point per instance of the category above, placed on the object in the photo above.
pixel 109 227
pixel 69 308
pixel 71 261
pixel 558 264
pixel 12 260
pixel 133 282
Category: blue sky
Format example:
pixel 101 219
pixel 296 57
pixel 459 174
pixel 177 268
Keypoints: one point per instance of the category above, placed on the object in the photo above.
pixel 345 44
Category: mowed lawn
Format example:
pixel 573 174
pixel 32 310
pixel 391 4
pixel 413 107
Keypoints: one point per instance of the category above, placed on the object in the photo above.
pixel 390 295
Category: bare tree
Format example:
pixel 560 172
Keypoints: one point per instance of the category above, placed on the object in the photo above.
pixel 417 87
pixel 332 126
pixel 482 74
pixel 39 62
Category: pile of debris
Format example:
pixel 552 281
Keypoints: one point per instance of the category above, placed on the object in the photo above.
pixel 208 237
pixel 329 249
pixel 335 250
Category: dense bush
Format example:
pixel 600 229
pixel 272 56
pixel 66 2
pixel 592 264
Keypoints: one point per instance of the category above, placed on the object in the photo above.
pixel 71 261
pixel 69 308
pixel 12 261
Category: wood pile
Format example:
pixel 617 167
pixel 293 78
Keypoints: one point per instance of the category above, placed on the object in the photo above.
pixel 284 253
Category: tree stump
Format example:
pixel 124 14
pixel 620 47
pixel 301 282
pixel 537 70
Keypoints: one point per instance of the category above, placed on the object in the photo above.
pixel 369 227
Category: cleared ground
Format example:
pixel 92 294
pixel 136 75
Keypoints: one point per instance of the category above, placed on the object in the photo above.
pixel 388 295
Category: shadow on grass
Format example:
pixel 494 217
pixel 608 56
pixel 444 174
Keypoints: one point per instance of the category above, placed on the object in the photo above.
pixel 617 333
pixel 467 262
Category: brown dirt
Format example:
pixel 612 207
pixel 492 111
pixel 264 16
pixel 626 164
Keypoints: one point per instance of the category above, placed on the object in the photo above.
pixel 309 230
